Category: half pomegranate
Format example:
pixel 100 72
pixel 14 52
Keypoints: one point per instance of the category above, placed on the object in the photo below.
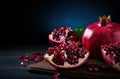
pixel 63 35
pixel 111 54
pixel 66 56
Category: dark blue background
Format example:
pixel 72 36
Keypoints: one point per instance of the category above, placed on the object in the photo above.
pixel 33 20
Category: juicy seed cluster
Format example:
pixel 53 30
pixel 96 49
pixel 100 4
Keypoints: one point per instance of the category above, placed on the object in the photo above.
pixel 58 34
pixel 72 37
pixel 66 53
pixel 66 34
pixel 113 50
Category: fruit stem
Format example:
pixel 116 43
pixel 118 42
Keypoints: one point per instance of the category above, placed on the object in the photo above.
pixel 104 20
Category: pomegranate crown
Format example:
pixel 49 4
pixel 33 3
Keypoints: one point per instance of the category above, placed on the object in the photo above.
pixel 104 20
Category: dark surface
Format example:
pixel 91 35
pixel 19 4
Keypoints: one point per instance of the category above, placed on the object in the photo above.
pixel 81 72
pixel 10 63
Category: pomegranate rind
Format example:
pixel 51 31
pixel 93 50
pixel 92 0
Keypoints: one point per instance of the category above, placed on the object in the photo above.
pixel 54 42
pixel 109 60
pixel 66 64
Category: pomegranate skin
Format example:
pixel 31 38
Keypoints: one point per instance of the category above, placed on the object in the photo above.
pixel 99 33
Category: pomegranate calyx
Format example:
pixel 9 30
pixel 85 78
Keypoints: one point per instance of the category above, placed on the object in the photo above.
pixel 104 20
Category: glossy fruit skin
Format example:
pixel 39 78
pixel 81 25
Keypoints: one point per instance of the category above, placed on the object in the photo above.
pixel 100 33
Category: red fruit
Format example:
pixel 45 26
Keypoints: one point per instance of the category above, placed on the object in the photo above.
pixel 99 33
pixel 64 35
pixel 111 54
pixel 66 56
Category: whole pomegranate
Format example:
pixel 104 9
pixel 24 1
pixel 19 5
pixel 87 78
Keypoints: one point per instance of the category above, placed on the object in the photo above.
pixel 66 56
pixel 64 35
pixel 99 33
pixel 111 54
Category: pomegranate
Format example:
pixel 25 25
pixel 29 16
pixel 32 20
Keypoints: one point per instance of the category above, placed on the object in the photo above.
pixel 111 54
pixel 103 32
pixel 64 35
pixel 66 56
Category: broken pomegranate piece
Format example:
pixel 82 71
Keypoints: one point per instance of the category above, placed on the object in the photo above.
pixel 64 35
pixel 111 54
pixel 66 56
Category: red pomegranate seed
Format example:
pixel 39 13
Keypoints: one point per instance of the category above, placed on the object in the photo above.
pixel 26 60
pixel 90 69
pixel 26 57
pixel 96 69
pixel 56 75
pixel 41 58
pixel 22 56
pixel 36 60
pixel 30 58
pixel 93 67
pixel 22 64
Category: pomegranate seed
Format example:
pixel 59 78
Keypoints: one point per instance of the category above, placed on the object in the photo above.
pixel 56 75
pixel 90 69
pixel 93 67
pixel 96 69
pixel 30 58
pixel 41 58
pixel 62 58
pixel 26 60
pixel 26 57
pixel 22 56
pixel 22 64
pixel 37 60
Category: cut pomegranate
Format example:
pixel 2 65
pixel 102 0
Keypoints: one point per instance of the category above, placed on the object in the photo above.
pixel 103 32
pixel 66 56
pixel 111 54
pixel 64 35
